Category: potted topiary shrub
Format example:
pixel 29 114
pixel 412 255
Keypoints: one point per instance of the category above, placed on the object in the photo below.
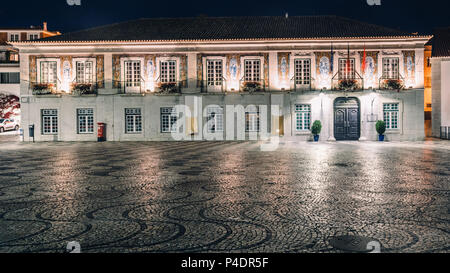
pixel 380 126
pixel 315 129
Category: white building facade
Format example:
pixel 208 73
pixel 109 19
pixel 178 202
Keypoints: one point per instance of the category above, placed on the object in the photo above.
pixel 440 84
pixel 234 88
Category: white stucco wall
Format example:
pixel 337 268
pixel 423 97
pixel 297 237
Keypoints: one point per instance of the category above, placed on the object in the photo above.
pixel 440 94
pixel 110 109
pixel 445 92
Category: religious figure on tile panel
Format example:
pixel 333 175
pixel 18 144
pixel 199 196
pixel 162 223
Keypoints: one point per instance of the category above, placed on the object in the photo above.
pixel 150 70
pixel 409 66
pixel 324 67
pixel 370 71
pixel 283 67
pixel 233 69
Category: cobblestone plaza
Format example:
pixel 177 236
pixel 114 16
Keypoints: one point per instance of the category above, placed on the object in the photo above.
pixel 223 196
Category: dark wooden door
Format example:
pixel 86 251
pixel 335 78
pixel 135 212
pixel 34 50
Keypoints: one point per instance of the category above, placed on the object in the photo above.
pixel 340 117
pixel 353 123
pixel 346 120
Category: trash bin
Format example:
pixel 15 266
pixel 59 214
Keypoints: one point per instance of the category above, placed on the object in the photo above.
pixel 101 132
pixel 31 131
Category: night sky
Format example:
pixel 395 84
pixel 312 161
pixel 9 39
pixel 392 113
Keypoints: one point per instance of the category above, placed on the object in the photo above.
pixel 414 16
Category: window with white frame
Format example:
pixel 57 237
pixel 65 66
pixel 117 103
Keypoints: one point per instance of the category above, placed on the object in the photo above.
pixel 302 117
pixel 85 120
pixel 49 121
pixel 252 70
pixel 132 73
pixel 168 73
pixel 252 121
pixel 390 68
pixel 214 119
pixel 214 72
pixel 302 71
pixel 133 120
pixel 168 120
pixel 33 36
pixel 390 114
pixel 84 71
pixel 48 72
pixel 14 37
pixel 346 68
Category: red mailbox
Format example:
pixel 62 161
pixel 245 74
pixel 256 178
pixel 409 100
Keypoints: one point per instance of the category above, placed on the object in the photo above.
pixel 101 133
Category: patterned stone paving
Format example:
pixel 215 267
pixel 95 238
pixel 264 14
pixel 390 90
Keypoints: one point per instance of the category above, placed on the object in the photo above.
pixel 223 196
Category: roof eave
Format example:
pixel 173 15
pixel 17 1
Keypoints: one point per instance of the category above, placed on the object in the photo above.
pixel 424 37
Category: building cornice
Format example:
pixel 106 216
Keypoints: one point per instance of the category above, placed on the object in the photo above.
pixel 417 38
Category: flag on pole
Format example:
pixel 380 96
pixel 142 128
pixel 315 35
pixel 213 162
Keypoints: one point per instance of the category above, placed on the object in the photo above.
pixel 332 59
pixel 348 60
pixel 364 61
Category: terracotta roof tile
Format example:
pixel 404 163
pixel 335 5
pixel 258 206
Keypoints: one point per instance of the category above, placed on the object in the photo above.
pixel 225 28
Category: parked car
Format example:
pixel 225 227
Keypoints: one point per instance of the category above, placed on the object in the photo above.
pixel 8 124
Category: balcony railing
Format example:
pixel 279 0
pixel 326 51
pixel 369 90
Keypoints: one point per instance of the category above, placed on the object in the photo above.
pixel 386 83
pixel 84 88
pixel 39 88
pixel 130 87
pixel 301 84
pixel 42 89
pixel 168 87
pixel 349 83
pixel 252 86
pixel 142 86
pixel 445 132
pixel 355 83
pixel 219 85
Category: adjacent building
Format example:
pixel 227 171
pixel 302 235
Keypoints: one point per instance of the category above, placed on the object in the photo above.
pixel 427 87
pixel 229 72
pixel 9 70
pixel 9 56
pixel 440 66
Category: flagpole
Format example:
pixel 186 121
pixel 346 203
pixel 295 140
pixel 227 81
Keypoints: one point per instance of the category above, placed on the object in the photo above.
pixel 332 59
pixel 348 60
pixel 364 61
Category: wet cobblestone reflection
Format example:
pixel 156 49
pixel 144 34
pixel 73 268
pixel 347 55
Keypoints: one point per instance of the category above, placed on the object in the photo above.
pixel 223 197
